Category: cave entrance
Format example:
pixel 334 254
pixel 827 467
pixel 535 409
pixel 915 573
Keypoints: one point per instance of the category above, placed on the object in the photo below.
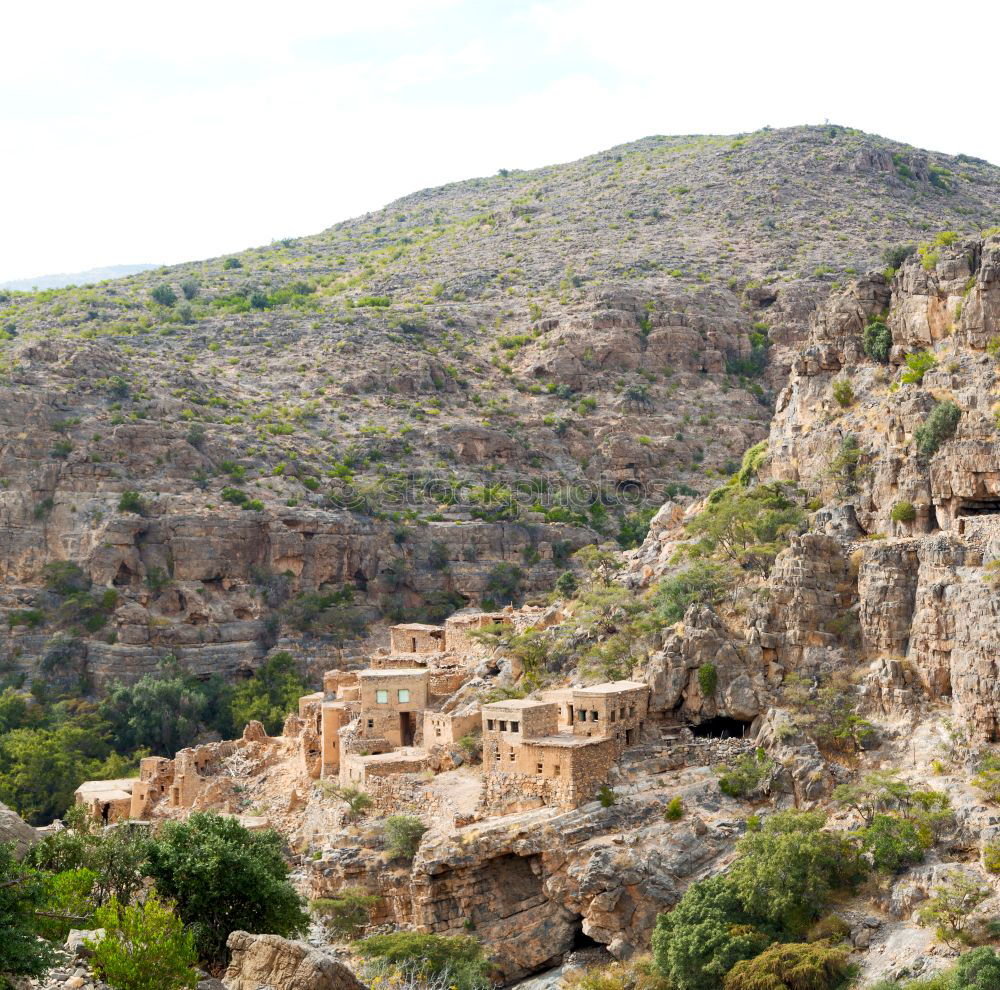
pixel 581 940
pixel 721 727
pixel 978 506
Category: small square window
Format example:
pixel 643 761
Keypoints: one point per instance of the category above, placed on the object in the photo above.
pixel 512 756
pixel 556 770
pixel 538 768
pixel 437 730
pixel 594 716
pixel 403 694
pixel 631 711
pixel 489 724
pixel 583 714
pixel 371 723
pixel 382 697
pixel 503 725
pixel 515 726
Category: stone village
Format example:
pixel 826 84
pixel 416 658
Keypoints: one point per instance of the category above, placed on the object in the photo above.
pixel 376 729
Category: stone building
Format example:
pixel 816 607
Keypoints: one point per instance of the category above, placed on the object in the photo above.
pixel 106 801
pixel 558 751
pixel 446 728
pixel 416 637
pixel 392 702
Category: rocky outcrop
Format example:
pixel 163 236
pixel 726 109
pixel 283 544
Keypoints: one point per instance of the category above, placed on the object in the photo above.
pixel 14 829
pixel 275 963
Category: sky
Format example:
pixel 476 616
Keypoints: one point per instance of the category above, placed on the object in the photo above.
pixel 139 132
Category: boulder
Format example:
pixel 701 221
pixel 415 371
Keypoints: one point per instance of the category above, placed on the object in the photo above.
pixel 259 961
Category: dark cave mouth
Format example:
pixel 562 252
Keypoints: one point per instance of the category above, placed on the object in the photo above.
pixel 721 727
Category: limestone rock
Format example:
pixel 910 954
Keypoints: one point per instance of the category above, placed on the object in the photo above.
pixel 271 961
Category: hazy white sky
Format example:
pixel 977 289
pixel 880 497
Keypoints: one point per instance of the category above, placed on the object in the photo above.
pixel 140 132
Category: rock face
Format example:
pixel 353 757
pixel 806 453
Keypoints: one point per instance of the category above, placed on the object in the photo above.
pixel 269 962
pixel 14 829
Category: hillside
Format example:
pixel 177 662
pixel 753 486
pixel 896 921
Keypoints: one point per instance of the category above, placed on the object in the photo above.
pixel 491 373
pixel 88 277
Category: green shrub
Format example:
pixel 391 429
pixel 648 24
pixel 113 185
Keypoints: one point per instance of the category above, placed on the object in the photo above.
pixel 675 810
pixel 164 295
pixel 145 947
pixel 893 843
pixel 130 501
pixel 567 585
pixel 702 582
pixel 940 426
pixel 348 912
pixel 708 679
pixel 950 905
pixel 917 365
pixel 904 512
pixel 225 878
pixel 456 961
pixel 843 393
pixel 231 263
pixel 877 340
pixel 190 288
pixel 795 966
pixel 991 856
pixel 403 834
pixel 978 970
pixel 22 893
pixel 607 796
pixel 749 776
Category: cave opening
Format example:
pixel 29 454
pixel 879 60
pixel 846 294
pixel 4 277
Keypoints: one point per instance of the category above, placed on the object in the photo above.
pixel 581 940
pixel 721 727
pixel 978 507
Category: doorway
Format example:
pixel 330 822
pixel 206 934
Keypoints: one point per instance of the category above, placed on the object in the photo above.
pixel 407 729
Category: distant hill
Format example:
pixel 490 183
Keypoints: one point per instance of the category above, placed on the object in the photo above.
pixel 89 277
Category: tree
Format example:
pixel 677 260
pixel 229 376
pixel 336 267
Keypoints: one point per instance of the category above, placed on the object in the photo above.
pixel 456 961
pixel 749 776
pixel 843 468
pixel 144 947
pixel 224 878
pixel 705 935
pixel 798 966
pixel 403 834
pixel 940 425
pixel 268 696
pixel 877 340
pixel 164 295
pixel 356 800
pixel 787 871
pixel 892 843
pixel 348 912
pixel 978 970
pixel 917 365
pixel 702 582
pixel 22 893
pixel 950 905
pixel 876 792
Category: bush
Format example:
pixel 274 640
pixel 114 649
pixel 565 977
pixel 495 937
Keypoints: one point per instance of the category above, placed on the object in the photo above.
pixel 675 810
pixel 231 263
pixel 940 425
pixel 877 340
pixel 917 365
pixel 787 871
pixel 749 776
pixel 950 905
pixel 457 961
pixel 892 843
pixel 567 584
pixel 797 966
pixel 978 970
pixel 21 894
pixel 843 393
pixel 607 796
pixel 708 679
pixel 164 295
pixel 225 878
pixel 131 502
pixel 403 834
pixel 65 577
pixel 991 857
pixel 702 582
pixel 190 288
pixel 903 512
pixel 705 935
pixel 145 947
pixel 347 913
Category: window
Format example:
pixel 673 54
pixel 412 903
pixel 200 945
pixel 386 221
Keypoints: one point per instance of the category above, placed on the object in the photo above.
pixel 515 726
pixel 371 723
pixel 489 724
pixel 631 711
pixel 583 714
pixel 512 756
pixel 593 716
pixel 437 730
pixel 556 770
pixel 382 697
pixel 503 725
pixel 621 712
pixel 538 768
pixel 611 715
pixel 403 694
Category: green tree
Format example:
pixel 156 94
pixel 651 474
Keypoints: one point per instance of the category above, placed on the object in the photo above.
pixel 144 947
pixel 978 970
pixel 940 426
pixel 164 295
pixel 874 793
pixel 269 696
pixel 702 582
pixel 348 912
pixel 224 878
pixel 917 365
pixel 749 776
pixel 787 871
pixel 893 843
pixel 877 340
pixel 797 966
pixel 951 903
pixel 403 834
pixel 22 893
pixel 456 961
pixel 705 935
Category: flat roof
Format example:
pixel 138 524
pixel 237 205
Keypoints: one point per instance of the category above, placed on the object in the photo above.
pixel 393 756
pixel 91 788
pixel 566 740
pixel 418 627
pixel 518 703
pixel 613 687
pixel 394 672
